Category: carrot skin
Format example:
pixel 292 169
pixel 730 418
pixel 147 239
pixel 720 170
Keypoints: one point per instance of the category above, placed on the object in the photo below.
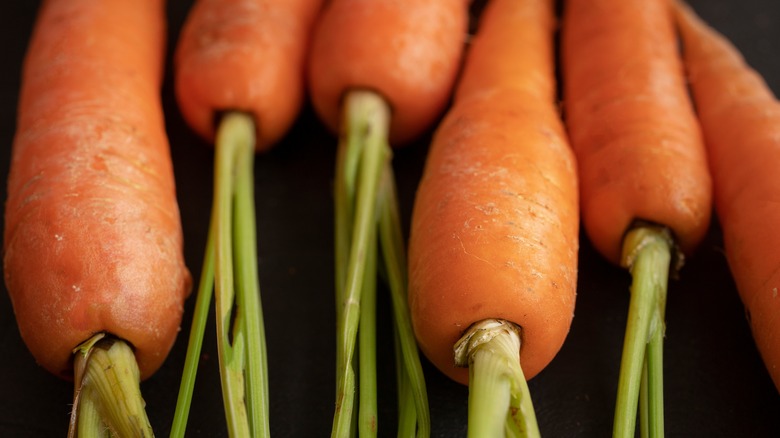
pixel 93 239
pixel 631 123
pixel 407 51
pixel 495 221
pixel 244 55
pixel 740 118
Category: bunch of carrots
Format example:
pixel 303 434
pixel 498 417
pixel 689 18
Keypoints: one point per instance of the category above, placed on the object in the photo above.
pixel 650 128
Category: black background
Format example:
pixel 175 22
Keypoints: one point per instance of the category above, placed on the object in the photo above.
pixel 715 382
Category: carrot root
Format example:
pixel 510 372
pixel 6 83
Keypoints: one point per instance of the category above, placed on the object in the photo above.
pixel 107 390
pixel 499 399
pixel 740 117
pixel 647 252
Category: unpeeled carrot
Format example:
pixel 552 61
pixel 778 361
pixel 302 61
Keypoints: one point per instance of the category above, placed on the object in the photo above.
pixel 244 55
pixel 406 51
pixel 239 73
pixel 740 118
pixel 494 231
pixel 645 186
pixel 631 123
pixel 93 240
pixel 495 217
pixel 379 73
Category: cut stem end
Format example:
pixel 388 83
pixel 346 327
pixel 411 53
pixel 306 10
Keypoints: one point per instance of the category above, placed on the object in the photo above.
pixel 499 399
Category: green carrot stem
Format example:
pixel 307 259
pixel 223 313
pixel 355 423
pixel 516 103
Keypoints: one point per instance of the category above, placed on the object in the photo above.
pixel 647 253
pixel 344 196
pixel 499 399
pixel 393 254
pixel 368 412
pixel 90 423
pixel 644 404
pixel 195 344
pixel 655 384
pixel 108 393
pixel 242 356
pixel 362 109
pixel 248 287
pixel 407 406
pixel 344 199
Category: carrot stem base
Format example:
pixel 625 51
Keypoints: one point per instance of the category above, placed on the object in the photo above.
pixel 108 393
pixel 499 399
pixel 647 252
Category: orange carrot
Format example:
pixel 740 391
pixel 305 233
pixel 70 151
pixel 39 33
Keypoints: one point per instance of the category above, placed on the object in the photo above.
pixel 239 66
pixel 407 51
pixel 244 55
pixel 631 123
pixel 645 186
pixel 494 229
pixel 495 221
pixel 379 73
pixel 93 241
pixel 740 118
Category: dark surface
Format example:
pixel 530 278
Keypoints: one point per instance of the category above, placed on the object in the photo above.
pixel 716 385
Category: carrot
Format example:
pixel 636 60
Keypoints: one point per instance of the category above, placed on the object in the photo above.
pixel 407 51
pixel 645 186
pixel 93 240
pixel 494 232
pixel 740 119
pixel 379 73
pixel 239 63
pixel 244 55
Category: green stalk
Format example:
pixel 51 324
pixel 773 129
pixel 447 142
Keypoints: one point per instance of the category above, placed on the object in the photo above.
pixel 363 109
pixel 412 379
pixel 248 286
pixel 368 411
pixel 242 356
pixel 108 394
pixel 644 404
pixel 647 253
pixel 365 199
pixel 90 423
pixel 195 344
pixel 655 384
pixel 344 210
pixel 407 406
pixel 499 399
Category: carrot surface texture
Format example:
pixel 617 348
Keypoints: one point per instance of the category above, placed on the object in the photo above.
pixel 494 237
pixel 740 119
pixel 645 186
pixel 239 63
pixel 93 254
pixel 379 73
